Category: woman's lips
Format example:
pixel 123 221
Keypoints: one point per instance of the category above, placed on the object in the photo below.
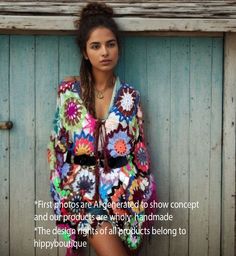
pixel 105 61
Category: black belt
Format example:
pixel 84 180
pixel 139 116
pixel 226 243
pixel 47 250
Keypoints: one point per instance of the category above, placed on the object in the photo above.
pixel 113 162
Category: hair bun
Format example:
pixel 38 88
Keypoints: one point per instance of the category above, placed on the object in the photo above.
pixel 92 9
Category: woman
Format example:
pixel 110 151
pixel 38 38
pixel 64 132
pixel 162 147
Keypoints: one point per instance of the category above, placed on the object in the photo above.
pixel 101 183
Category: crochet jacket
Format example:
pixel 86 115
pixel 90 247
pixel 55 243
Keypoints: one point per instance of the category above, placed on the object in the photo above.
pixel 125 194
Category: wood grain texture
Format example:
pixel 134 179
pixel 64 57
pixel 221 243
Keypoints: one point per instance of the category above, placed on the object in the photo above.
pixel 199 143
pixel 179 133
pixel 130 15
pixel 158 110
pixel 22 145
pixel 215 169
pixel 46 80
pixel 135 24
pixel 4 147
pixel 147 9
pixel 228 178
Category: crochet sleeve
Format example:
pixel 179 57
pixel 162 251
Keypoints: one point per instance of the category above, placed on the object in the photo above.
pixel 56 151
pixel 142 161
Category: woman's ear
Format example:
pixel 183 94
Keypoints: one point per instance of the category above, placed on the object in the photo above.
pixel 85 55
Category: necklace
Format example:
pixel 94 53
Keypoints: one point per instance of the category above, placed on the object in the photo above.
pixel 100 93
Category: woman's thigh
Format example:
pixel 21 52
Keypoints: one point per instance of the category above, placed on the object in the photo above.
pixel 106 244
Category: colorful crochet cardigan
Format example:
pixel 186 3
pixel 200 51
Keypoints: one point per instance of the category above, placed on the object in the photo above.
pixel 129 189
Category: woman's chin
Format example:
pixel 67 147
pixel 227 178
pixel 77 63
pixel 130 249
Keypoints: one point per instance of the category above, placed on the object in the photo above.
pixel 105 68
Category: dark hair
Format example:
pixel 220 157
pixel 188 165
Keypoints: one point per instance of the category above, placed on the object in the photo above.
pixel 93 15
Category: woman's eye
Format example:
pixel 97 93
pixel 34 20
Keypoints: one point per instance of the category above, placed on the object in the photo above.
pixel 95 46
pixel 112 44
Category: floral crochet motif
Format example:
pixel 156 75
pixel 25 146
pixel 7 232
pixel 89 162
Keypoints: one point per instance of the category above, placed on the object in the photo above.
pixel 122 190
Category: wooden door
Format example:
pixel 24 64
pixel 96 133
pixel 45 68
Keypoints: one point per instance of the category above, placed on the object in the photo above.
pixel 180 80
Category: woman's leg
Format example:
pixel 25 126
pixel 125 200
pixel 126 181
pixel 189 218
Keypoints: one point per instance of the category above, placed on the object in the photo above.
pixel 106 244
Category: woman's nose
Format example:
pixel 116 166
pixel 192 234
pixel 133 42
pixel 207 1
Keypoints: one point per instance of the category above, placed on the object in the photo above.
pixel 104 51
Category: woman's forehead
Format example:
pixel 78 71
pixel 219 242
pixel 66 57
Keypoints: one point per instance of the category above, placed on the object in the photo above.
pixel 101 34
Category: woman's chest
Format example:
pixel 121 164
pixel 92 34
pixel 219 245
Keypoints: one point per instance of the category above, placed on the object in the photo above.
pixel 102 105
pixel 116 133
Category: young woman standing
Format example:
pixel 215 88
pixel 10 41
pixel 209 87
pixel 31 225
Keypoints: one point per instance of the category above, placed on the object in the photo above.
pixel 101 183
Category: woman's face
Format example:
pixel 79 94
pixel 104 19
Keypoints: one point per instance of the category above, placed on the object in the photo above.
pixel 102 49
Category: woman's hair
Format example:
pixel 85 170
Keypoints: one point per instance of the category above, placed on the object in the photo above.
pixel 92 16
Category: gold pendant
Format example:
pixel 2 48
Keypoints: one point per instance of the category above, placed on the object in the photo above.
pixel 100 95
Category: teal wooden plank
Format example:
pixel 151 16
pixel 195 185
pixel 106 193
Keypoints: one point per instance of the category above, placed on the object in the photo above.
pixel 22 145
pixel 228 224
pixel 69 57
pixel 135 63
pixel 179 136
pixel 215 148
pixel 46 61
pixel 158 107
pixel 4 146
pixel 199 143
pixel 120 68
pixel 135 72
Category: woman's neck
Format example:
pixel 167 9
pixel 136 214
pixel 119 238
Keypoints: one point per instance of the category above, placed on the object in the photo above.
pixel 103 80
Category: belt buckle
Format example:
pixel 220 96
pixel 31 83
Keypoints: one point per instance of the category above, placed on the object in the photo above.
pixel 72 159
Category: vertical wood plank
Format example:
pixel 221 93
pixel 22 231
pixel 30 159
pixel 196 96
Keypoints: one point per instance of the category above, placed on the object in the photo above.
pixel 69 57
pixel 46 82
pixel 136 69
pixel 199 143
pixel 158 76
pixel 120 68
pixel 135 63
pixel 215 148
pixel 179 132
pixel 228 178
pixel 4 146
pixel 22 145
pixel 136 75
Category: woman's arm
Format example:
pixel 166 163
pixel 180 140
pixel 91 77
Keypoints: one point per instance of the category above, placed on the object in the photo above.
pixel 56 150
pixel 142 161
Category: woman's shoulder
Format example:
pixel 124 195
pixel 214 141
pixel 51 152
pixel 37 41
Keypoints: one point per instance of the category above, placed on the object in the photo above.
pixel 71 78
pixel 129 88
pixel 68 83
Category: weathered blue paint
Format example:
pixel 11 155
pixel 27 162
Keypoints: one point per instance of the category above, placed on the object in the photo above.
pixel 180 80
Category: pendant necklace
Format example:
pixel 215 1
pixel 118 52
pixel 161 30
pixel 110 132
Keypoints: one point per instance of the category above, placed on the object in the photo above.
pixel 100 93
